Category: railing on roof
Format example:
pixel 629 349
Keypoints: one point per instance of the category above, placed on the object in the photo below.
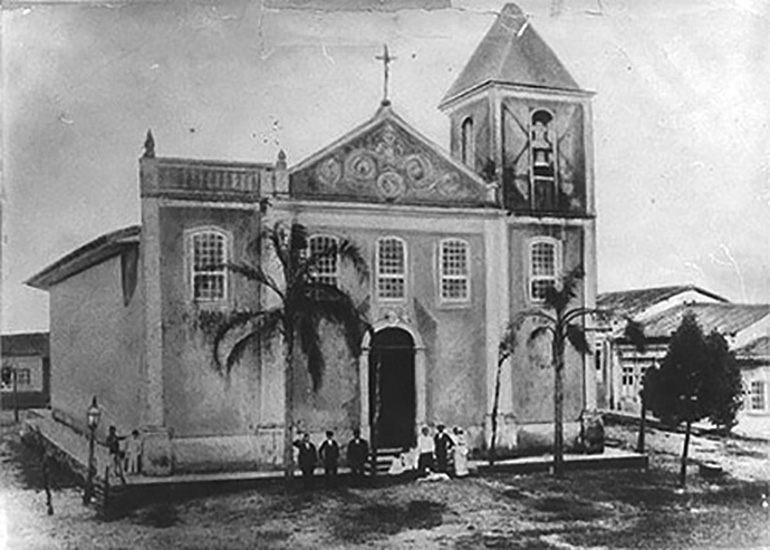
pixel 181 177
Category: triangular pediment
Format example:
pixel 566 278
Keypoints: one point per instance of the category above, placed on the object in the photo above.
pixel 386 160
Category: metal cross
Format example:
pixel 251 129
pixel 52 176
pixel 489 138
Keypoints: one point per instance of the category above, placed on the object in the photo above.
pixel 386 59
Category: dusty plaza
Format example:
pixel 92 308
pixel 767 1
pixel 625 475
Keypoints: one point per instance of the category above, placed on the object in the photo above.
pixel 587 509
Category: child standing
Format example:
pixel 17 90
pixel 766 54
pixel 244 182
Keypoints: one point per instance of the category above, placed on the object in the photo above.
pixel 134 448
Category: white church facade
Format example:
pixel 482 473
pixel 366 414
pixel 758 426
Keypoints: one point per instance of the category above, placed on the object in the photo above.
pixel 457 244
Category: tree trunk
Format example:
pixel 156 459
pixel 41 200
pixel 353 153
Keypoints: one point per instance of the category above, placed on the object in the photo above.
pixel 558 405
pixel 288 416
pixel 495 408
pixel 683 469
pixel 375 415
pixel 642 425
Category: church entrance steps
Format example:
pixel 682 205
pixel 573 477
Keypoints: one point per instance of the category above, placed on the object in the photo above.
pixel 385 459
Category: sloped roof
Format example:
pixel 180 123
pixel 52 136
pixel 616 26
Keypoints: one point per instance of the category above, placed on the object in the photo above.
pixel 630 302
pixel 725 318
pixel 88 255
pixel 25 343
pixel 759 348
pixel 512 52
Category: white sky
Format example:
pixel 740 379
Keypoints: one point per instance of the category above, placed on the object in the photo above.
pixel 681 116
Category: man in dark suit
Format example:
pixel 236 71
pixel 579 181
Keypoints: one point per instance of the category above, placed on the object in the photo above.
pixel 330 454
pixel 307 459
pixel 358 453
pixel 444 444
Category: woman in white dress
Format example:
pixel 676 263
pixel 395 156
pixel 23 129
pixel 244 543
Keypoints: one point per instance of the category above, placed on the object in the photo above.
pixel 460 452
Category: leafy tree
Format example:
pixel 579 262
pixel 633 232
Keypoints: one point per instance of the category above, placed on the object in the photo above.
pixel 301 304
pixel 698 379
pixel 558 320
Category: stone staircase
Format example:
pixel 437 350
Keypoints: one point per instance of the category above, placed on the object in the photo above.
pixel 384 459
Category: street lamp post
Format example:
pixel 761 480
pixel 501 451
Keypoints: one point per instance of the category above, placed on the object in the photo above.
pixel 93 414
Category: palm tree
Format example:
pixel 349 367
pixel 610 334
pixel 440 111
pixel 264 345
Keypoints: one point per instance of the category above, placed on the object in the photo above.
pixel 302 303
pixel 554 318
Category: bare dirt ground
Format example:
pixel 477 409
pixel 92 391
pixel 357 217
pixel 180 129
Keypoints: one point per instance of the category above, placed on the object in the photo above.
pixel 593 509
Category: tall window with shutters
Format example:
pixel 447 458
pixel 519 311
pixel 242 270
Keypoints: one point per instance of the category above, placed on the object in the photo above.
pixel 391 268
pixel 544 267
pixel 324 247
pixel 454 271
pixel 208 254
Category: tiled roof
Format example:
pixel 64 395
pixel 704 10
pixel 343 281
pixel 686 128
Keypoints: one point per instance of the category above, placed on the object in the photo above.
pixel 512 52
pixel 631 302
pixel 725 318
pixel 25 343
pixel 755 349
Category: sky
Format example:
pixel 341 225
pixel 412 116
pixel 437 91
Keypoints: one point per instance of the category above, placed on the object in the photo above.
pixel 681 115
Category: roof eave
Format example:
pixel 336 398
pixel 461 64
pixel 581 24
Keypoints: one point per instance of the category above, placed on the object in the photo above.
pixel 449 100
pixel 96 251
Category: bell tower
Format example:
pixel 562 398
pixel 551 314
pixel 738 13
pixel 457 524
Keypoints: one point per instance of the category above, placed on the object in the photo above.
pixel 519 118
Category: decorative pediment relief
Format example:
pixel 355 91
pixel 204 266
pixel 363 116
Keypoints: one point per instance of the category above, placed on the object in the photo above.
pixel 387 163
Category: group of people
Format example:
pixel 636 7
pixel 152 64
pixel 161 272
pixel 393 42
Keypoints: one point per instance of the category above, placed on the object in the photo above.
pixel 126 457
pixel 329 454
pixel 436 456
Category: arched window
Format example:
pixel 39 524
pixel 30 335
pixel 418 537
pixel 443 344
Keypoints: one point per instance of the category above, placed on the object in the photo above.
pixel 208 253
pixel 324 248
pixel 454 270
pixel 543 267
pixel 468 152
pixel 542 146
pixel 391 268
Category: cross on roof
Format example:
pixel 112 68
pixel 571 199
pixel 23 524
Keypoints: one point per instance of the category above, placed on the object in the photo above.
pixel 386 60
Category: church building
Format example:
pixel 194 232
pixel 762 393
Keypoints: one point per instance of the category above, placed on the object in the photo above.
pixel 457 244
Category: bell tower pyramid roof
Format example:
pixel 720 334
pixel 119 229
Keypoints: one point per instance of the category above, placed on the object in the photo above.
pixel 512 53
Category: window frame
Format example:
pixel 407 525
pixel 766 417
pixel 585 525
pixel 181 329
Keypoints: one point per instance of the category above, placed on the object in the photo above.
pixel 336 275
pixel 761 396
pixel 442 276
pixel 467 142
pixel 379 276
pixel 557 265
pixel 190 237
pixel 23 376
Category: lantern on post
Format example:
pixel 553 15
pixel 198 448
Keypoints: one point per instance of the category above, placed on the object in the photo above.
pixel 93 415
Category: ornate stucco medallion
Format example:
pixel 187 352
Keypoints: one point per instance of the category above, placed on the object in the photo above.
pixel 419 171
pixel 329 171
pixel 361 166
pixel 449 186
pixel 390 185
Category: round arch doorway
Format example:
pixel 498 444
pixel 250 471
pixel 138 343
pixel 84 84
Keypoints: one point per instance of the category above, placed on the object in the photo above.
pixel 392 388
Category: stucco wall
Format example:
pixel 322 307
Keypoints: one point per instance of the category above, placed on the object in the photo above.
pixel 532 375
pixel 198 400
pixel 453 335
pixel 96 346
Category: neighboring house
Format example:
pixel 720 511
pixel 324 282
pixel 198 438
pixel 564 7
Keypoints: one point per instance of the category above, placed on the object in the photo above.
pixel 754 360
pixel 618 364
pixel 457 244
pixel 26 355
pixel 745 327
